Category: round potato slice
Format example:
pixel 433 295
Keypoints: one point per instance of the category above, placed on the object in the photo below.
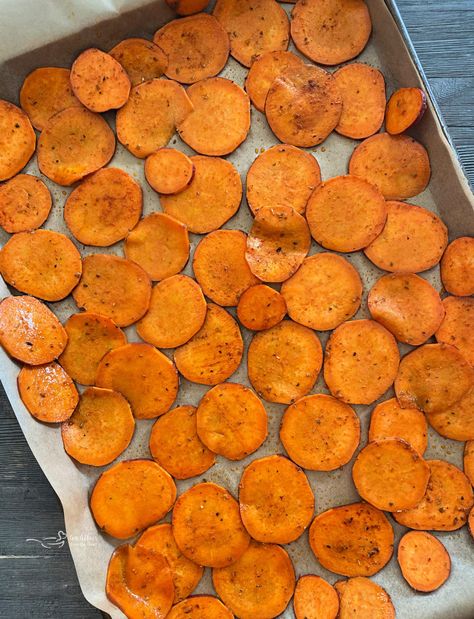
pixel 389 420
pixel 320 433
pixel 104 208
pixel 276 500
pixel 457 267
pixel 187 7
pixel 168 170
pixel 42 263
pixel 215 352
pixel 346 213
pixel 73 144
pixel 261 307
pixel 142 374
pixel 315 598
pixel 47 392
pixel 177 312
pixel 446 504
pixel 131 496
pixel 114 287
pixel 141 59
pixel 456 421
pixel 303 106
pixel 324 292
pixel 220 267
pixel 29 331
pixel 211 199
pixel 284 362
pixel 159 244
pixel 282 176
pixel 352 540
pixel 254 27
pixel 412 240
pixel 17 140
pixel 331 31
pixel 361 361
pixel 207 526
pixel 200 607
pixel 457 327
pixel 25 203
pixel 197 47
pixel 397 164
pixel 100 428
pixel 424 561
pixel 220 120
pixel 469 460
pixel 231 421
pixel 175 444
pixel 260 584
pixel 363 598
pixel 407 305
pixel 433 378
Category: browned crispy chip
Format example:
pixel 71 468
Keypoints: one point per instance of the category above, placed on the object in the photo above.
pixel 424 561
pixel 361 597
pixel 169 170
pixel 261 307
pixel 141 59
pixel 457 267
pixel 456 421
pixel 25 203
pixel 200 607
pixel 457 327
pixel 315 598
pixel 388 420
pixel 17 140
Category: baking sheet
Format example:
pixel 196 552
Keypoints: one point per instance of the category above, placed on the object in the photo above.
pixel 60 29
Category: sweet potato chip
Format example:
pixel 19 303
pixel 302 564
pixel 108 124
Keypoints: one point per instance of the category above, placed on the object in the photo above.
pixel 456 421
pixel 424 561
pixel 220 267
pixel 469 461
pixel 231 421
pixel 197 47
pixel 320 433
pixel 207 526
pixel 149 118
pixel 404 109
pixel 169 170
pixel 457 327
pixel 131 496
pixel 187 7
pixel 346 213
pixel 261 307
pixel 211 199
pixel 114 287
pixel 470 522
pixel 361 361
pixel 324 292
pixel 177 312
pixel 215 352
pixel 100 428
pixel 389 420
pixel 17 140
pixel 175 445
pixel 282 176
pixel 141 59
pixel 259 584
pixel 446 504
pixel 73 144
pixel 284 362
pixel 364 599
pixel 200 607
pixel 254 27
pixel 315 598
pixel 207 129
pixel 104 208
pixel 457 267
pixel 29 331
pixel 142 374
pixel 47 392
pixel 25 203
pixel 42 263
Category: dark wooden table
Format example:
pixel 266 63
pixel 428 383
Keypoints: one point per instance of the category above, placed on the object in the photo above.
pixel 41 582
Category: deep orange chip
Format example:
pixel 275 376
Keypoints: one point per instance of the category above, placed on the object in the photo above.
pixel 141 59
pixel 261 307
pixel 470 522
pixel 25 203
pixel 389 420
pixel 315 598
pixel 457 327
pixel 456 421
pixel 17 140
pixel 469 460
pixel 404 109
pixel 200 607
pixel 187 7
pixel 361 597
pixel 169 170
pixel 424 561
pixel 457 267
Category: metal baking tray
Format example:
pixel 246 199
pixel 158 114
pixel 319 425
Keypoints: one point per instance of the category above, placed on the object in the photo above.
pixel 448 194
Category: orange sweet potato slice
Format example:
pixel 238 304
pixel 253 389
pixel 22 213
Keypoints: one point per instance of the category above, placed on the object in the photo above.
pixel 197 47
pixel 200 607
pixel 17 140
pixel 215 352
pixel 42 263
pixel 284 362
pixel 362 598
pixel 456 421
pixel 207 526
pixel 254 27
pixel 211 199
pixel 405 108
pixel 282 176
pixel 361 361
pixel 261 307
pixel 389 420
pixel 446 504
pixel 468 460
pixel 346 213
pixel 131 496
pixel 25 203
pixel 141 59
pixel 208 130
pixel 220 267
pixel 457 267
pixel 104 208
pixel 470 522
pixel 73 144
pixel 187 7
pixel 144 375
pixel 231 421
pixel 457 327
pixel 29 331
pixel 47 392
pixel 177 312
pixel 397 164
pixel 100 428
pixel 176 446
pixel 324 292
pixel 169 170
pixel 424 561
pixel 320 433
pixel 260 584
pixel 315 598
pixel 114 287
